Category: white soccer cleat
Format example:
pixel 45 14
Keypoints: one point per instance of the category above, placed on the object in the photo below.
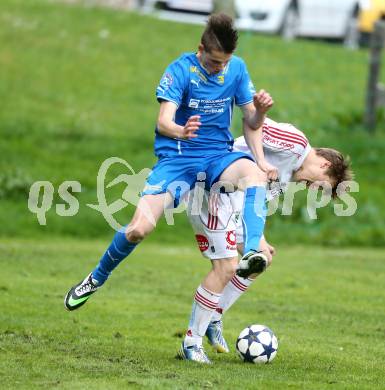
pixel 194 353
pixel 214 334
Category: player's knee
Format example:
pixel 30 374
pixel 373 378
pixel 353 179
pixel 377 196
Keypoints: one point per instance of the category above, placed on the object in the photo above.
pixel 258 177
pixel 255 179
pixel 227 269
pixel 232 267
pixel 137 233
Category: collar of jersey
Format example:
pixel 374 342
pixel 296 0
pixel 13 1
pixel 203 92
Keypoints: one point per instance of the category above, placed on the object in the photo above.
pixel 210 75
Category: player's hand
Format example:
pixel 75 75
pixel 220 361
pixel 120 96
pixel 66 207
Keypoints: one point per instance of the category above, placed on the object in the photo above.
pixel 267 249
pixel 191 126
pixel 270 170
pixel 262 101
pixel 271 249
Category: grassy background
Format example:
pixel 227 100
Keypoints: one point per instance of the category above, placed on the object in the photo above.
pixel 77 86
pixel 324 305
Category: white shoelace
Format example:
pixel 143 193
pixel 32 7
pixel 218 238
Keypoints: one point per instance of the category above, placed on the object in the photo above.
pixel 84 288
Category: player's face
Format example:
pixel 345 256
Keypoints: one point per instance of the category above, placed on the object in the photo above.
pixel 214 61
pixel 315 174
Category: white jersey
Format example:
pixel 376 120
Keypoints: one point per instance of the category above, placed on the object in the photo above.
pixel 284 146
pixel 218 225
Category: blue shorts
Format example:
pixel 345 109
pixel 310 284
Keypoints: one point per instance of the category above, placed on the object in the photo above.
pixel 178 175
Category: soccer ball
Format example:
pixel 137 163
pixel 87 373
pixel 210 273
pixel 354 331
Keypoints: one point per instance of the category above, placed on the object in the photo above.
pixel 257 344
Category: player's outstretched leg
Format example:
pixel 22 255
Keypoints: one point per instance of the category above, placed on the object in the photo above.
pixel 150 208
pixel 254 216
pixel 250 179
pixel 119 249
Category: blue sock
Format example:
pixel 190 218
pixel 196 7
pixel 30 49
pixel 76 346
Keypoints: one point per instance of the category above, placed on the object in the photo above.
pixel 254 216
pixel 119 249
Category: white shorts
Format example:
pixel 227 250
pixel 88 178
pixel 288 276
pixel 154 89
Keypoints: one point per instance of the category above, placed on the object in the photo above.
pixel 218 224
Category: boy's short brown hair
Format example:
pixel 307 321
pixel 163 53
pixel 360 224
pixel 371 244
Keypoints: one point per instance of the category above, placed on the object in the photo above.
pixel 220 34
pixel 339 170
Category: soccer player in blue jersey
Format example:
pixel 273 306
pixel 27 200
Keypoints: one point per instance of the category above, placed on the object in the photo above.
pixel 197 94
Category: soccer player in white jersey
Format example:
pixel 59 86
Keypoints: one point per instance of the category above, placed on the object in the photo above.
pixel 218 228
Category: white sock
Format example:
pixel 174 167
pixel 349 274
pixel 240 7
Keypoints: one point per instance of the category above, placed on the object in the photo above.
pixel 204 305
pixel 233 290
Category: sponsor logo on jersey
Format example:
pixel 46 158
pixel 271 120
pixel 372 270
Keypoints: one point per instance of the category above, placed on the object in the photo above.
pixel 231 240
pixel 203 242
pixel 231 237
pixel 193 103
pixel 210 106
pixel 221 79
pixel 278 143
pixel 195 82
pixel 166 81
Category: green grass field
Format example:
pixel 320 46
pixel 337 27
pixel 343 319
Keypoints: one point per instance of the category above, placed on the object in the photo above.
pixel 325 306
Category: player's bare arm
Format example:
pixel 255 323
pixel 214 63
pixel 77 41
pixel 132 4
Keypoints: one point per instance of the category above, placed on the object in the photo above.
pixel 255 113
pixel 168 127
pixel 254 116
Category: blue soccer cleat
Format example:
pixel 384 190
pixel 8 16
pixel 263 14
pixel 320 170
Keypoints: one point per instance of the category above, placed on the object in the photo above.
pixel 194 353
pixel 214 334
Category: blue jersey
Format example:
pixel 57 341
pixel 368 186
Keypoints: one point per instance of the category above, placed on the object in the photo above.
pixel 212 96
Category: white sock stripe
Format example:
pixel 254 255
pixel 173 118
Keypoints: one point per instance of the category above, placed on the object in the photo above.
pixel 236 282
pixel 205 302
pixel 243 281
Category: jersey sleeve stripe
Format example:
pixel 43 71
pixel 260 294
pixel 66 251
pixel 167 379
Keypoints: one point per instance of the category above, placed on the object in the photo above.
pixel 288 133
pixel 166 99
pixel 285 138
pixel 288 136
pixel 242 104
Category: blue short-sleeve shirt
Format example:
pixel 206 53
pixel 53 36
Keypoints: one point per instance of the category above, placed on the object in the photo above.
pixel 212 96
